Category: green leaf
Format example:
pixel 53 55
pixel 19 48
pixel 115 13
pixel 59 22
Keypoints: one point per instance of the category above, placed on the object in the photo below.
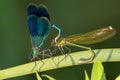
pixel 49 77
pixel 86 75
pixel 98 72
pixel 118 78
pixel 38 77
pixel 101 55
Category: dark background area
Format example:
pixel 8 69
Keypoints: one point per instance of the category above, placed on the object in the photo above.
pixel 73 16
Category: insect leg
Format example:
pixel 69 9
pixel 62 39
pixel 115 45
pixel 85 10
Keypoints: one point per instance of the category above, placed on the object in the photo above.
pixel 84 47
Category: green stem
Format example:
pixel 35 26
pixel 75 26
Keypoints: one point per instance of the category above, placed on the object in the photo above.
pixel 101 55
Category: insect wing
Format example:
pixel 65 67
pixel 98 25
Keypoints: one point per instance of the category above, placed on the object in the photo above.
pixel 39 11
pixel 32 23
pixel 43 12
pixel 43 27
pixel 93 36
pixel 32 9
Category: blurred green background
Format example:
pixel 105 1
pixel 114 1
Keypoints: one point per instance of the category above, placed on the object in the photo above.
pixel 73 16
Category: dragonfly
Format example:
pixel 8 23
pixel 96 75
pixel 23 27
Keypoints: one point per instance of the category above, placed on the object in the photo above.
pixel 91 37
pixel 39 27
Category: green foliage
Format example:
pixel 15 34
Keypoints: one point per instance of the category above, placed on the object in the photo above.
pixel 38 77
pixel 118 78
pixel 98 72
pixel 86 76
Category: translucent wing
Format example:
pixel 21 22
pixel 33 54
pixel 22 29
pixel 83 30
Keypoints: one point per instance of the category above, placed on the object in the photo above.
pixel 91 37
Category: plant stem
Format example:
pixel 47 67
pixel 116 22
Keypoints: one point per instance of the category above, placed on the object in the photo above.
pixel 101 55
